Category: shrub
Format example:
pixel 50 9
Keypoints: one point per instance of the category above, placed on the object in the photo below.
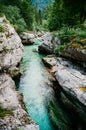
pixel 13 15
pixel 75 45
pixel 2 29
pixel 4 112
pixel 82 33
pixel 67 35
pixel 59 48
pixel 1 14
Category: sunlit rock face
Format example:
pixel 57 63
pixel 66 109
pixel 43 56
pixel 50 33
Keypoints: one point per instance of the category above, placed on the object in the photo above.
pixel 49 43
pixel 27 38
pixel 11 52
pixel 77 54
pixel 11 48
pixel 72 81
pixel 12 100
pixel 71 78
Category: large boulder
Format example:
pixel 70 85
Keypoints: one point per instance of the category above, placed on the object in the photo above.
pixel 12 110
pixel 49 43
pixel 70 77
pixel 12 100
pixel 75 52
pixel 27 38
pixel 40 33
pixel 71 81
pixel 11 48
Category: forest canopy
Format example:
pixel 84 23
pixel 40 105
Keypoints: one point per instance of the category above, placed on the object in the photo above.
pixel 58 13
pixel 18 12
pixel 66 12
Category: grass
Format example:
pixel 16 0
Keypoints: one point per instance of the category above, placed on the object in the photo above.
pixel 59 48
pixel 4 112
pixel 5 21
pixel 74 37
pixel 66 34
pixel 1 14
pixel 76 45
pixel 2 29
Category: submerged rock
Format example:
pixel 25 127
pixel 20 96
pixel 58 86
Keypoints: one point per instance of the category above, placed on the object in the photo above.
pixel 49 44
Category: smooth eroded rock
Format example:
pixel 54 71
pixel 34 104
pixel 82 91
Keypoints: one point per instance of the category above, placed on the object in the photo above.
pixel 12 100
pixel 11 48
pixel 49 44
pixel 77 54
pixel 71 82
pixel 27 38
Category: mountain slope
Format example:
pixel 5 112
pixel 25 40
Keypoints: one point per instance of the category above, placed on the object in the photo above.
pixel 41 3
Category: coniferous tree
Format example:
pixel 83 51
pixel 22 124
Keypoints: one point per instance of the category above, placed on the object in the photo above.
pixel 66 12
pixel 25 7
pixel 27 12
pixel 40 17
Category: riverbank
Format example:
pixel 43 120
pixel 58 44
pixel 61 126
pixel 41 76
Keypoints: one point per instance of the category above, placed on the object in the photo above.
pixel 37 84
pixel 70 76
pixel 13 114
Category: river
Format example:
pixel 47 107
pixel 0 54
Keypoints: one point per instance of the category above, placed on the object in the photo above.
pixel 35 86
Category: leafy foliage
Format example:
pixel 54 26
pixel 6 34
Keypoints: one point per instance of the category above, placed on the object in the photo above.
pixel 4 112
pixel 19 13
pixel 59 48
pixel 13 15
pixel 27 13
pixel 66 12
pixel 67 34
pixel 76 37
pixel 2 29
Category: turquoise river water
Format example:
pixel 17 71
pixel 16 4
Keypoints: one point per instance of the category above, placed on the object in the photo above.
pixel 34 86
pixel 42 105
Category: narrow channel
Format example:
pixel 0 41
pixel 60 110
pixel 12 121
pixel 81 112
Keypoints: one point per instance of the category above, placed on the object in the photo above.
pixel 34 86
pixel 39 98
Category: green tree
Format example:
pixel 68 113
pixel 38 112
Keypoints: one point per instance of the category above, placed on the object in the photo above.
pixel 56 15
pixel 27 13
pixel 13 15
pixel 75 9
pixel 36 14
pixel 10 2
pixel 25 7
pixel 40 17
pixel 68 12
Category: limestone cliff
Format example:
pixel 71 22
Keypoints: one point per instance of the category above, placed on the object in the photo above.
pixel 12 108
pixel 11 48
pixel 71 81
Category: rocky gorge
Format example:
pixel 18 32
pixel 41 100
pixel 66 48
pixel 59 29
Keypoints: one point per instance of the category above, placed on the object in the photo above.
pixel 13 114
pixel 68 68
